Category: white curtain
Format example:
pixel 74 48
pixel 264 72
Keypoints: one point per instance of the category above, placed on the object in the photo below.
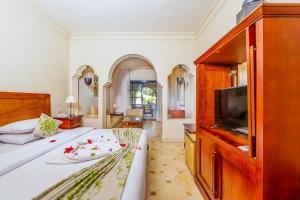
pixel 120 88
pixel 159 103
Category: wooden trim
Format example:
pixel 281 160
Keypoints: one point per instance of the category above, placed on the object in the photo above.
pixel 251 71
pixel 202 190
pixel 217 175
pixel 15 106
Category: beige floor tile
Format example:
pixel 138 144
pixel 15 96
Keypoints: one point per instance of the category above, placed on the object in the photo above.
pixel 168 178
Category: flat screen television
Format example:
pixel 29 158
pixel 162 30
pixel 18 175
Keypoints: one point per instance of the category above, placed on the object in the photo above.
pixel 231 109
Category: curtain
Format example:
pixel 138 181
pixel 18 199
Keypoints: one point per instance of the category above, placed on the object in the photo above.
pixel 159 103
pixel 120 88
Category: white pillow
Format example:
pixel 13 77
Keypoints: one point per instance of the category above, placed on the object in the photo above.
pixel 24 126
pixel 18 139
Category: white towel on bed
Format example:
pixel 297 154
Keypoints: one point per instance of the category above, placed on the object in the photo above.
pixel 81 151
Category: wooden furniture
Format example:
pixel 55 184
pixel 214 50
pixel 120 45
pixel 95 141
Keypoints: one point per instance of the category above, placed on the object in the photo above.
pixel 16 106
pixel 135 112
pixel 132 122
pixel 190 147
pixel 70 122
pixel 268 41
pixel 179 114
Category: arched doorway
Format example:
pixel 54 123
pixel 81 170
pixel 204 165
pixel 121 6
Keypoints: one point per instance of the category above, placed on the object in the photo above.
pixel 133 84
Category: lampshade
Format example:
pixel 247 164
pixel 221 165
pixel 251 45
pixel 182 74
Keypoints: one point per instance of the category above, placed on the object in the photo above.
pixel 70 99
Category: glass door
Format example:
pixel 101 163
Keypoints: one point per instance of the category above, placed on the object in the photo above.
pixel 136 94
pixel 143 95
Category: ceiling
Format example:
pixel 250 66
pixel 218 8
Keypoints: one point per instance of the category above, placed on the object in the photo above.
pixel 89 16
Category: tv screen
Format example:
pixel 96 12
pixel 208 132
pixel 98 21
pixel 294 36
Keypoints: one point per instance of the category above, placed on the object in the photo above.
pixel 231 108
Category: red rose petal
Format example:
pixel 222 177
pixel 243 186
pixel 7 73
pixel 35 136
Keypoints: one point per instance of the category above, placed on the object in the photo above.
pixel 52 141
pixel 89 141
pixel 69 149
pixel 122 145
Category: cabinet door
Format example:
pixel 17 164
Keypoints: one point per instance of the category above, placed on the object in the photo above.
pixel 205 163
pixel 189 153
pixel 234 175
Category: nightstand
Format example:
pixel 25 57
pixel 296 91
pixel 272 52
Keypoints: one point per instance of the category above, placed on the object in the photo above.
pixel 70 122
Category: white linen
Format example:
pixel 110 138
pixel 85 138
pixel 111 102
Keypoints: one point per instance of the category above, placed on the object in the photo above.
pixel 24 126
pixel 135 187
pixel 17 158
pixel 5 148
pixel 18 138
pixel 36 176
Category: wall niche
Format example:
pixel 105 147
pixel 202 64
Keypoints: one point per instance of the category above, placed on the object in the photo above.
pixel 85 90
pixel 179 92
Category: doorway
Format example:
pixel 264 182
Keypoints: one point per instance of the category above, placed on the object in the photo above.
pixel 143 95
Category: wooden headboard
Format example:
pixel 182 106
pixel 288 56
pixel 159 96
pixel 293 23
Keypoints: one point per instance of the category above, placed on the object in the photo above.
pixel 20 106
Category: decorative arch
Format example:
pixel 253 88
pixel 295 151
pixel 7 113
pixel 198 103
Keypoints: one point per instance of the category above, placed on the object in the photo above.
pixel 121 59
pixel 185 67
pixel 81 69
pixel 109 100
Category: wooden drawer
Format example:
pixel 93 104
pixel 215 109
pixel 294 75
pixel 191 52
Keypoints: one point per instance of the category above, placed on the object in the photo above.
pixel 76 122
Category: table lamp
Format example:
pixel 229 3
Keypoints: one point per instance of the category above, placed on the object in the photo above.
pixel 115 106
pixel 70 100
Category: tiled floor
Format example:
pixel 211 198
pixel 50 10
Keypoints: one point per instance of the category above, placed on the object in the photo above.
pixel 168 178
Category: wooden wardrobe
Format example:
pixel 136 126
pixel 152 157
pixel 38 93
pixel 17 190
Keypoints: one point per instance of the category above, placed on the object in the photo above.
pixel 268 40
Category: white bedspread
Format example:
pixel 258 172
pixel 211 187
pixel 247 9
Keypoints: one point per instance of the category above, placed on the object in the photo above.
pixel 5 148
pixel 34 177
pixel 22 155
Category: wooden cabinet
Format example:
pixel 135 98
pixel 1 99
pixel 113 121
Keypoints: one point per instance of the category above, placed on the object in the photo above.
pixel 236 175
pixel 190 147
pixel 205 163
pixel 223 171
pixel 70 122
pixel 267 41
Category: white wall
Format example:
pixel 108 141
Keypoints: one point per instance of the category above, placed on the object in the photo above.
pixel 34 56
pixel 142 74
pixel 86 98
pixel 101 54
pixel 220 21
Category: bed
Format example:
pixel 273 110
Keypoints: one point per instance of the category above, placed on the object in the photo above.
pixel 24 169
